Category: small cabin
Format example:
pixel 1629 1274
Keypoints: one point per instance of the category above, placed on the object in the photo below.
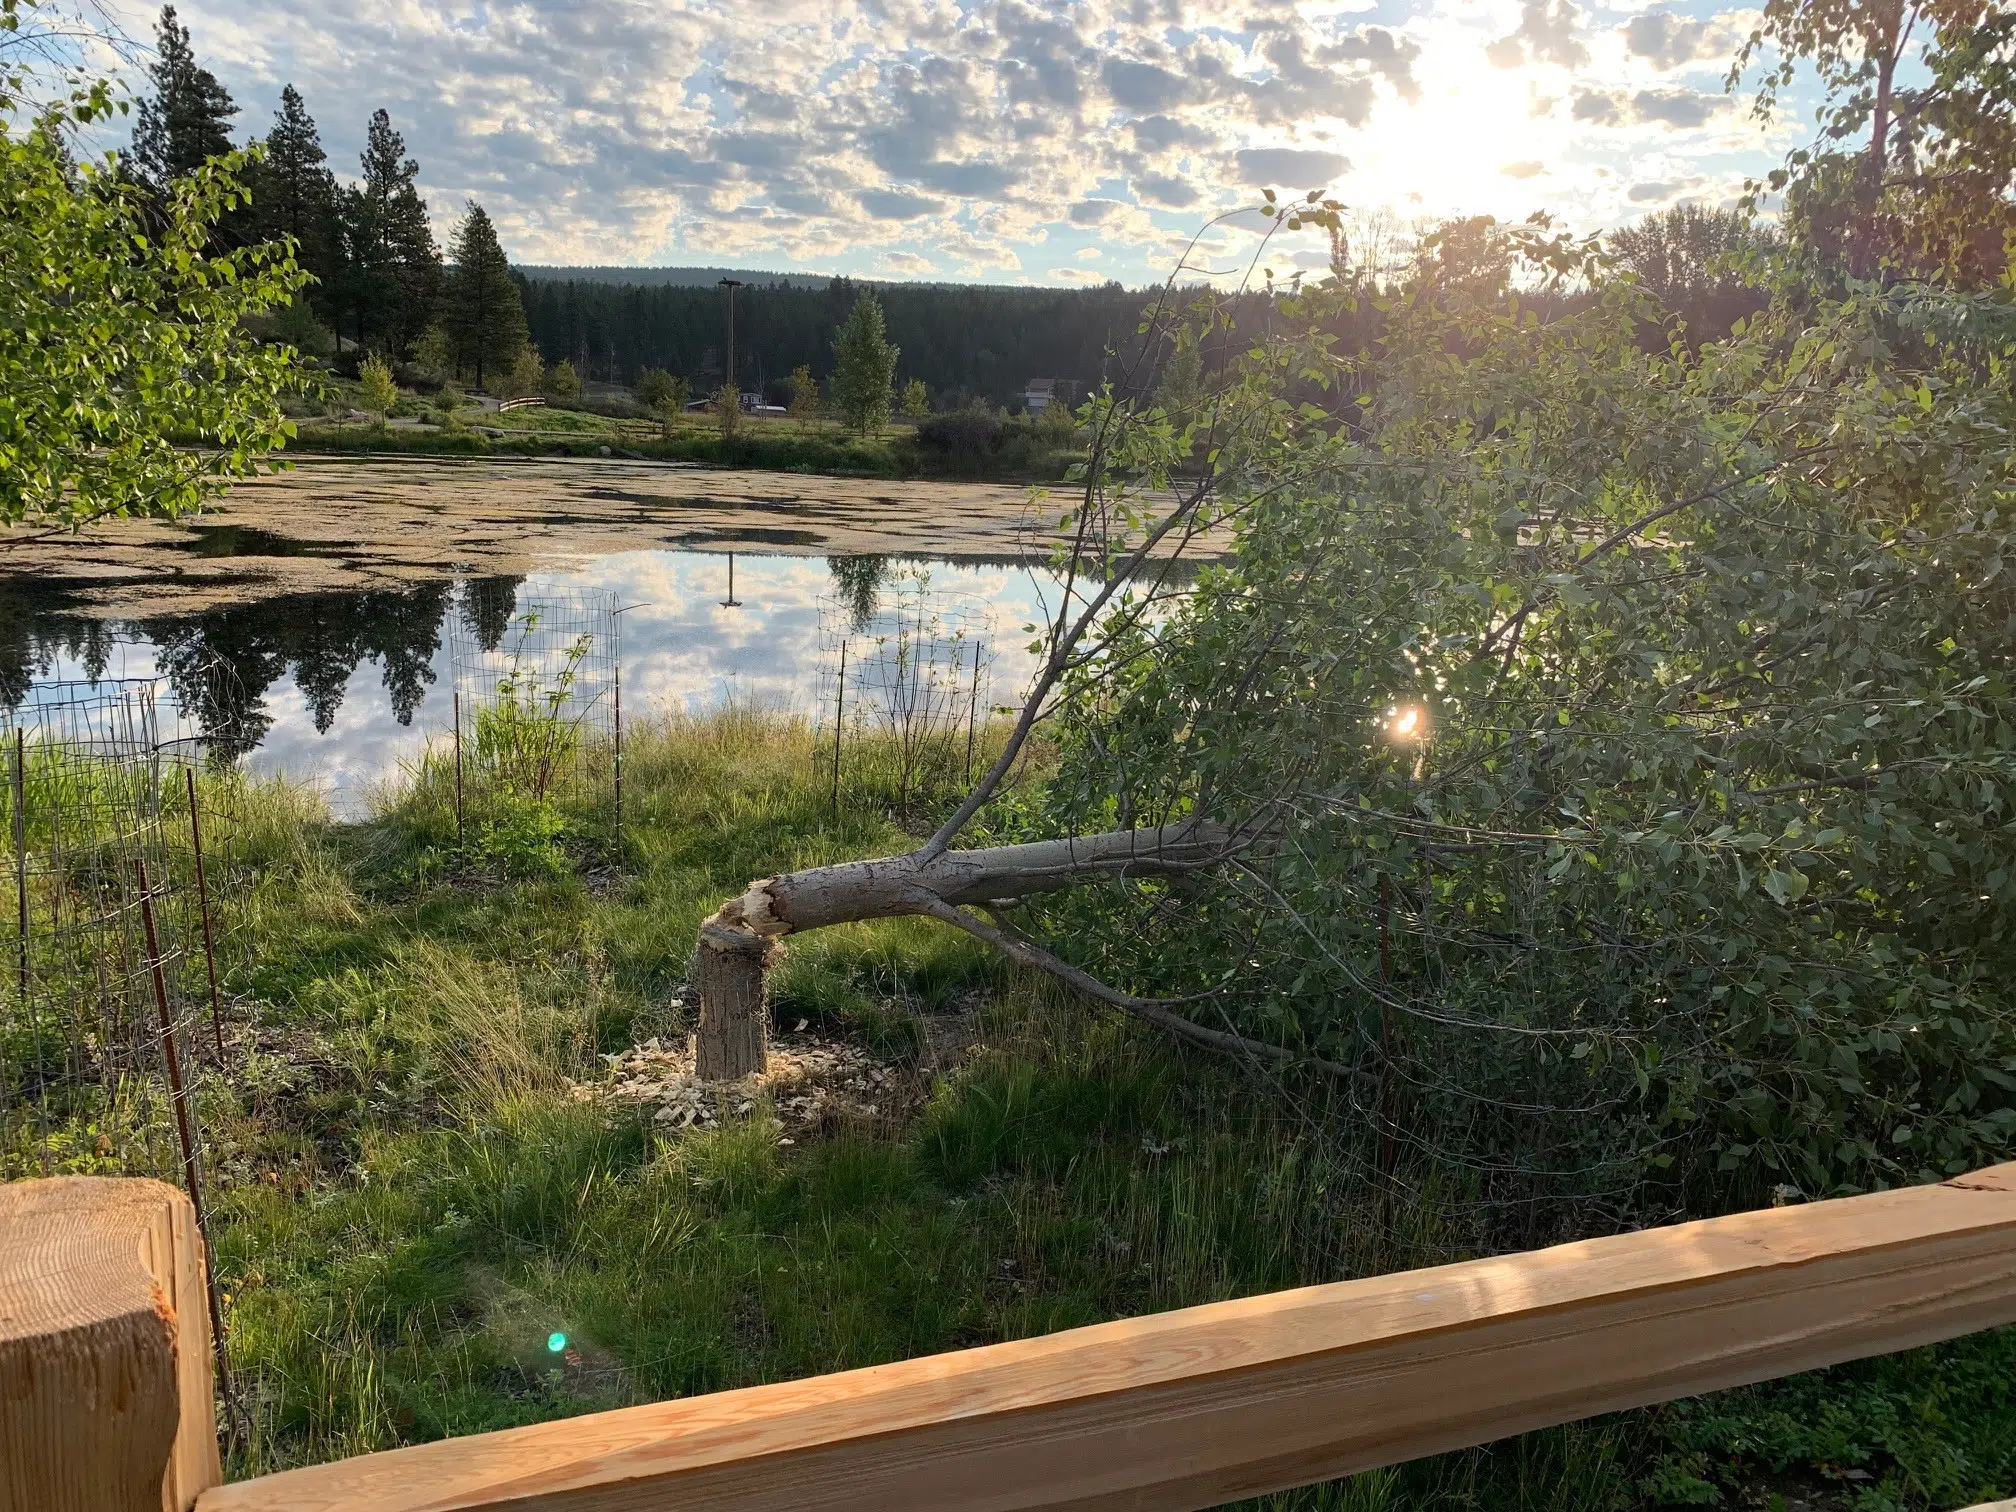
pixel 1040 393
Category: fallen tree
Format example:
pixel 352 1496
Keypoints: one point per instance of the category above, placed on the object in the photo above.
pixel 737 944
pixel 1595 760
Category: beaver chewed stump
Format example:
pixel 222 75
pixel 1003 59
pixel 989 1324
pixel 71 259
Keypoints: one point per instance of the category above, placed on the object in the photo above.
pixel 734 1034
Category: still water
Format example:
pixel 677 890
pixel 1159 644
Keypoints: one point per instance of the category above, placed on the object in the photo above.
pixel 339 689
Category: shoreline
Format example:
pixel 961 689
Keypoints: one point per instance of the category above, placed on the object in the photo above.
pixel 359 523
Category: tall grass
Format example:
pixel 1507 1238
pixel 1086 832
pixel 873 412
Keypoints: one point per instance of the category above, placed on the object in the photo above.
pixel 413 1205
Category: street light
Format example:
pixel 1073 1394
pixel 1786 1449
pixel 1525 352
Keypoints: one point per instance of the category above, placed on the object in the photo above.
pixel 735 389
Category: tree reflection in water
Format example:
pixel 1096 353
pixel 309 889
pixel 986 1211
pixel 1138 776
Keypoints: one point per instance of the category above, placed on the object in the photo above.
pixel 222 662
pixel 858 580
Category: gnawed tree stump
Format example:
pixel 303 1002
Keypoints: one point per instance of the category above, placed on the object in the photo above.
pixel 105 1384
pixel 943 884
pixel 734 1034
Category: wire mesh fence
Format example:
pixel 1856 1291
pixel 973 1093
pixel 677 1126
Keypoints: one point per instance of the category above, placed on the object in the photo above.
pixel 112 1016
pixel 537 705
pixel 905 674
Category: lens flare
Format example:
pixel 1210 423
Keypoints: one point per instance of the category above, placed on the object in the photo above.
pixel 556 1342
pixel 1407 724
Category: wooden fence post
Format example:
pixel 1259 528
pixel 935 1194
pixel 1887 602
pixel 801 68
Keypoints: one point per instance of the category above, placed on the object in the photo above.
pixel 105 1389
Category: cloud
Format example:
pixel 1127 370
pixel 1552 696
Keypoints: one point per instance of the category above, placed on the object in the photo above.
pixel 1599 107
pixel 1669 40
pixel 1143 86
pixel 1292 167
pixel 1546 33
pixel 1079 275
pixel 1658 192
pixel 1164 189
pixel 907 264
pixel 894 204
pixel 839 134
pixel 1523 170
pixel 1680 109
pixel 1160 133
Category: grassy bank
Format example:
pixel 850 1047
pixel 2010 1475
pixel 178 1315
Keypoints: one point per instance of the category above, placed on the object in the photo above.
pixel 1014 451
pixel 417 1199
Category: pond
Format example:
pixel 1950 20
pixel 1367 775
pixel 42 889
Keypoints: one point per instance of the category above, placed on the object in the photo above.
pixel 339 689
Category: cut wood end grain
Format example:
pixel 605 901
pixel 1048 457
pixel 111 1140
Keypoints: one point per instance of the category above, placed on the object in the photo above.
pixel 105 1395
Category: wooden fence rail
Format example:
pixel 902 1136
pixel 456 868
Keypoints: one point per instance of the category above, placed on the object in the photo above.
pixel 1178 1410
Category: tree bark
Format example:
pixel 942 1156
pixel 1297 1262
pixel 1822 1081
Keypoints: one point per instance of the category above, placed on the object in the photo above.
pixel 734 1033
pixel 915 884
pixel 739 943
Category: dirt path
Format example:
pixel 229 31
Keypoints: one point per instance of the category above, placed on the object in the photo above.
pixel 336 524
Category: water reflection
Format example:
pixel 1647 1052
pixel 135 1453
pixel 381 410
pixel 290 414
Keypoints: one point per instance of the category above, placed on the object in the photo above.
pixel 858 581
pixel 333 687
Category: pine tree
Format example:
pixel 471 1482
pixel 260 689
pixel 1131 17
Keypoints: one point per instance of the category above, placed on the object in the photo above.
pixel 864 366
pixel 186 120
pixel 484 314
pixel 294 194
pixel 394 268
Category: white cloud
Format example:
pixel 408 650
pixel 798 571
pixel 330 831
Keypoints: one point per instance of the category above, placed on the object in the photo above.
pixel 1668 40
pixel 1289 167
pixel 952 137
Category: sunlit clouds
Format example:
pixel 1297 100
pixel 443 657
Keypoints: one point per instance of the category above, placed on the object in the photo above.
pixel 998 139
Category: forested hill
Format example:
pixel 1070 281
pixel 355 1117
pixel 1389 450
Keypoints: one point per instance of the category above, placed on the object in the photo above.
pixel 963 341
pixel 654 277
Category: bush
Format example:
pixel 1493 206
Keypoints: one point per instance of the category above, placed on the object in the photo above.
pixel 378 391
pixel 963 436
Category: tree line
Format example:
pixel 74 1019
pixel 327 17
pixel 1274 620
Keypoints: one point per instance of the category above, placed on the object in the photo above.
pixel 965 343
pixel 379 284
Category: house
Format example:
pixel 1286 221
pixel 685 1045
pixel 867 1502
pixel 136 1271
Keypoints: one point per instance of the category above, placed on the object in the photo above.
pixel 1040 393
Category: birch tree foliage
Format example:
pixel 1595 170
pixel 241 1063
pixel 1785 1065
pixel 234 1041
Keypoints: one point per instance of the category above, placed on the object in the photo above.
pixel 122 335
pixel 1623 740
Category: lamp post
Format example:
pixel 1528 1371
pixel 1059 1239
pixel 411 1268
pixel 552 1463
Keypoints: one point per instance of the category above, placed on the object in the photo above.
pixel 734 388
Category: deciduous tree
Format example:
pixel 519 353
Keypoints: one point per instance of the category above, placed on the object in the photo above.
pixel 377 388
pixel 123 330
pixel 864 366
pixel 806 400
pixel 562 382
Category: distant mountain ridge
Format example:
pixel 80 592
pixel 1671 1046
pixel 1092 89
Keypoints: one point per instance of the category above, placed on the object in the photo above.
pixel 667 277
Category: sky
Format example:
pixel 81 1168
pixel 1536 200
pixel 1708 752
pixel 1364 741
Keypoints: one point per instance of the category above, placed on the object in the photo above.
pixel 1004 141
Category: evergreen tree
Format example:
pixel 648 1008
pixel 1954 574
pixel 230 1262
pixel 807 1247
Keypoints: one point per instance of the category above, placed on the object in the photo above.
pixel 186 120
pixel 394 268
pixel 483 315
pixel 864 366
pixel 294 194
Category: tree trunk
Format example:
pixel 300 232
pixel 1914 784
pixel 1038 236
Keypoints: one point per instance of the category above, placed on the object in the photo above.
pixel 738 944
pixel 896 885
pixel 734 1032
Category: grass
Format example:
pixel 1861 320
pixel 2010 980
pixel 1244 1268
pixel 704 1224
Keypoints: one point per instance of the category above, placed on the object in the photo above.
pixel 411 1205
pixel 766 443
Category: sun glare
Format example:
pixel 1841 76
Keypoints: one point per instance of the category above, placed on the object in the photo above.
pixel 1407 724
